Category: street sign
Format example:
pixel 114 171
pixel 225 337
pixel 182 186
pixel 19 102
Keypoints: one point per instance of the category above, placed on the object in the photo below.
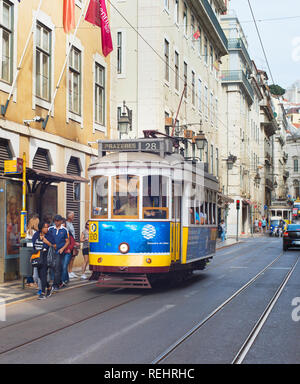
pixel 13 166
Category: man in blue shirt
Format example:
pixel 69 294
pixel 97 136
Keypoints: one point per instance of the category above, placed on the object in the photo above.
pixel 61 237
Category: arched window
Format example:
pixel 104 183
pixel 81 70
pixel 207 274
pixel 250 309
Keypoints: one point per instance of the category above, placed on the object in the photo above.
pixel 41 160
pixel 5 153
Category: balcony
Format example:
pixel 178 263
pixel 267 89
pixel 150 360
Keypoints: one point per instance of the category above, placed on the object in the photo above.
pixel 205 9
pixel 238 44
pixel 238 77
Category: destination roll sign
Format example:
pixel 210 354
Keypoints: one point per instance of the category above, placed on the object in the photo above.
pixel 162 146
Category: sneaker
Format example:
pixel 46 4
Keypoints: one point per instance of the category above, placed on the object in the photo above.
pixel 41 297
pixel 72 275
pixel 83 276
pixel 49 292
pixel 39 292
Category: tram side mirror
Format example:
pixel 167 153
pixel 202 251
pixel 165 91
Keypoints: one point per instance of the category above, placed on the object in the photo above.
pixel 76 191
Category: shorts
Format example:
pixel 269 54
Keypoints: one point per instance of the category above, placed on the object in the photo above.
pixel 85 251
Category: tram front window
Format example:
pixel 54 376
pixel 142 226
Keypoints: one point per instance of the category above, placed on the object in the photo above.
pixel 100 196
pixel 155 189
pixel 125 197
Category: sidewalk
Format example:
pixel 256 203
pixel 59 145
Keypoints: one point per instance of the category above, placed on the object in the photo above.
pixel 12 291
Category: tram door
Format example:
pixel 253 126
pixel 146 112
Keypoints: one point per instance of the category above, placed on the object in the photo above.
pixel 176 228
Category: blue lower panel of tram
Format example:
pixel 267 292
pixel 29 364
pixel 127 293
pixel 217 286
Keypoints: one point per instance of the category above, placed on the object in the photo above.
pixel 129 244
pixel 201 242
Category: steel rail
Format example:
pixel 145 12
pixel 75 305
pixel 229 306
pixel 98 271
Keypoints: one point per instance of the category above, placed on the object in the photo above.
pixel 188 334
pixel 68 325
pixel 240 356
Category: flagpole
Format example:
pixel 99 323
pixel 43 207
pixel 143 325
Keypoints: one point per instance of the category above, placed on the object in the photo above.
pixel 83 11
pixel 4 107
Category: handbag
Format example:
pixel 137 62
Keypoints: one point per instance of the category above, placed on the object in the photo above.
pixel 51 257
pixel 36 260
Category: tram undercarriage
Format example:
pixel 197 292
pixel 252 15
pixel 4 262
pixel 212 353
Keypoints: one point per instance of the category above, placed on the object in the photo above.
pixel 125 279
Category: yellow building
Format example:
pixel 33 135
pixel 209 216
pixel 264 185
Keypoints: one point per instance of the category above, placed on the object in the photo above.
pixel 63 144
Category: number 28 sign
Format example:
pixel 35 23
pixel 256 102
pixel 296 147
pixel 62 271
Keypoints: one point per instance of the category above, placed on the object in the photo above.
pixel 93 232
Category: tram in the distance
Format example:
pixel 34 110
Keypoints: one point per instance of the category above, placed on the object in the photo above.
pixel 153 214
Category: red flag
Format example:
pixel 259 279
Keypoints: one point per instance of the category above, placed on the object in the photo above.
pixel 69 15
pixel 196 35
pixel 97 15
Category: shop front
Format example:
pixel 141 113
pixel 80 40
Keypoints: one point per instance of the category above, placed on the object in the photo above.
pixel 41 199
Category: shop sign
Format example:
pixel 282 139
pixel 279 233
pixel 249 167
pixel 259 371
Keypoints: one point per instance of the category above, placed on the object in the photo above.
pixel 13 166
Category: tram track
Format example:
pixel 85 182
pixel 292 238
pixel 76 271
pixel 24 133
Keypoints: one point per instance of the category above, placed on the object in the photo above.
pixel 240 356
pixel 61 328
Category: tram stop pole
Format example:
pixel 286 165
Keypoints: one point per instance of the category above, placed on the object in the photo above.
pixel 24 212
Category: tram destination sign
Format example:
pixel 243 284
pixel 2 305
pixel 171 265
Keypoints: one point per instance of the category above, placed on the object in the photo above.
pixel 161 146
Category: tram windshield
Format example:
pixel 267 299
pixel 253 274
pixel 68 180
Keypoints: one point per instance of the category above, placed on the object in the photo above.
pixel 125 201
pixel 155 191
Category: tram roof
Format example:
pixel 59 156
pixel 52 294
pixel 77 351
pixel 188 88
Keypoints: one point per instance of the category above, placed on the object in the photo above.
pixel 146 159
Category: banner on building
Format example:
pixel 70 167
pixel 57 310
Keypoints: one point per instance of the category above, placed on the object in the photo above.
pixel 97 15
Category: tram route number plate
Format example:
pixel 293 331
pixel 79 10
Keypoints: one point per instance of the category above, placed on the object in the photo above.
pixel 94 232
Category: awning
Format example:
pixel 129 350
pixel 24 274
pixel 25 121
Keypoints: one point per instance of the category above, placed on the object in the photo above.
pixel 223 199
pixel 54 177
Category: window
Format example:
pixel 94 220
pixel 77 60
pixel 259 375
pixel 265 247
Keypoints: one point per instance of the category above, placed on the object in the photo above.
pixel 205 50
pixel 295 165
pixel 75 81
pixel 193 87
pixel 99 94
pixel 119 53
pixel 43 62
pixel 200 42
pixel 185 78
pixel 199 95
pixel 167 72
pixel 100 196
pixel 211 58
pixel 166 3
pixel 206 101
pixel 193 30
pixel 217 162
pixel 176 70
pixel 212 159
pixel 125 197
pixel 155 190
pixel 185 20
pixel 6 31
pixel 176 11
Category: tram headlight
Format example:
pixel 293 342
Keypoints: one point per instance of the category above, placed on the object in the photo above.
pixel 148 260
pixel 124 248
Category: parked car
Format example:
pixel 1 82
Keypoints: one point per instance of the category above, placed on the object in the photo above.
pixel 291 237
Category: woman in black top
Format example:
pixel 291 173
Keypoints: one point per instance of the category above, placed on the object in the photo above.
pixel 42 240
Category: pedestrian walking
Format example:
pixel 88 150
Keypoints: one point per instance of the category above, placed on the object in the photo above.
pixel 61 240
pixel 223 228
pixel 264 224
pixel 32 228
pixel 71 229
pixel 259 225
pixel 66 258
pixel 41 241
pixel 256 225
pixel 84 238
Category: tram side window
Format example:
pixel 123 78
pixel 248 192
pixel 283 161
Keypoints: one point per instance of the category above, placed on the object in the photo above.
pixel 125 197
pixel 285 215
pixel 100 197
pixel 155 197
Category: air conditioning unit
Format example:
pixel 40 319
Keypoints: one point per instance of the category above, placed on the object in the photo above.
pixel 188 134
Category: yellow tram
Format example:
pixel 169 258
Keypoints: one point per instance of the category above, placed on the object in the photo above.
pixel 153 213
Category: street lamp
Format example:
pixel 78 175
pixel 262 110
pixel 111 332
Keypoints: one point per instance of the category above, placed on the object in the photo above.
pixel 125 120
pixel 257 178
pixel 200 140
pixel 230 161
